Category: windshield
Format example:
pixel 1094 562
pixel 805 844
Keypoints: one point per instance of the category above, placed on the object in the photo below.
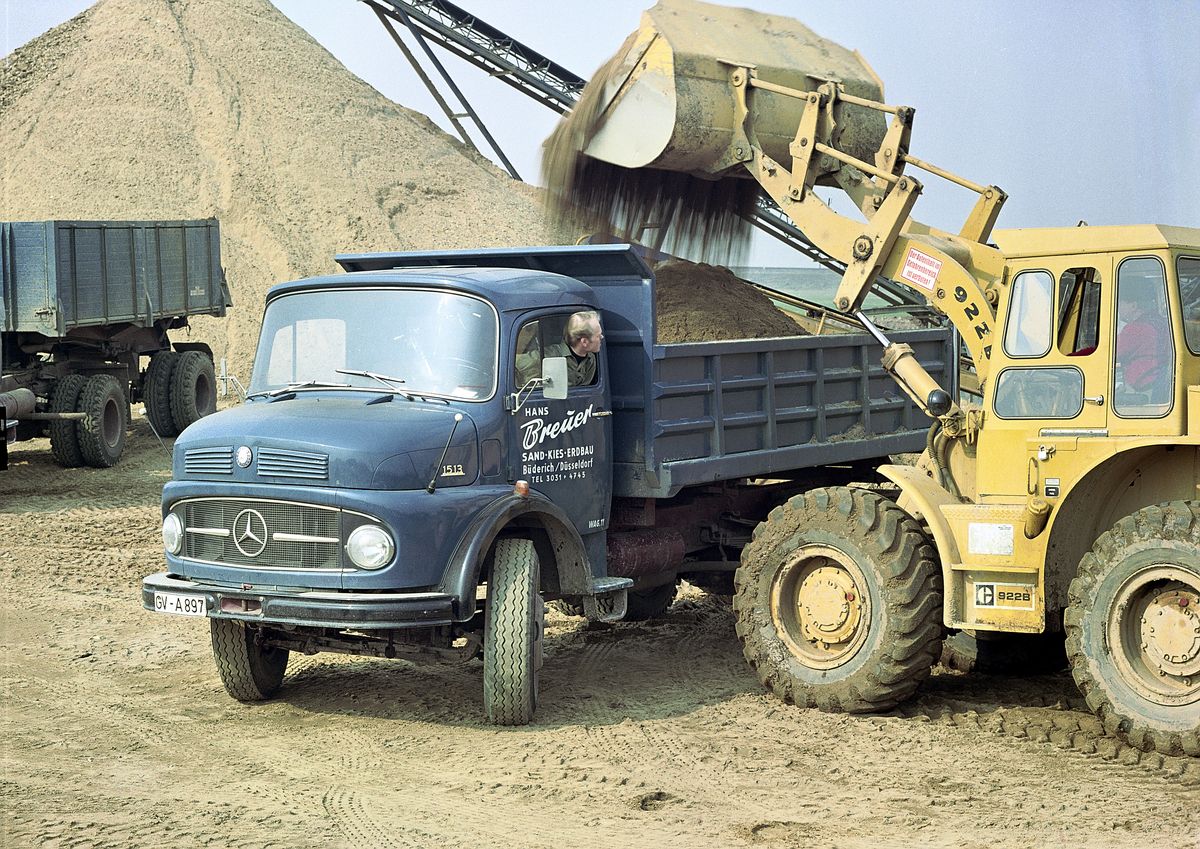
pixel 419 342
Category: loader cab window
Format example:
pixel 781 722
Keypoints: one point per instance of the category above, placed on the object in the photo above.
pixel 1145 358
pixel 1030 314
pixel 1078 312
pixel 1039 393
pixel 1188 268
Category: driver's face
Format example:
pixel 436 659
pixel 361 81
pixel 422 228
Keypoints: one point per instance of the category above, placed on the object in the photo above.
pixel 596 336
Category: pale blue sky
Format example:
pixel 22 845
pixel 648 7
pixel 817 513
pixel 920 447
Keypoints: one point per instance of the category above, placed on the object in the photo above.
pixel 1078 110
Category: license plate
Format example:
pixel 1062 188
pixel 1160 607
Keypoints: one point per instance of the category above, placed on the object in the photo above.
pixel 180 605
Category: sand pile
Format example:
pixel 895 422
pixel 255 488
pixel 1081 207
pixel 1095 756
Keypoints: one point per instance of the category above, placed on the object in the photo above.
pixel 696 302
pixel 194 108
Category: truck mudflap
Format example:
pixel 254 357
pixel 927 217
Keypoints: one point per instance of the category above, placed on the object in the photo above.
pixel 164 593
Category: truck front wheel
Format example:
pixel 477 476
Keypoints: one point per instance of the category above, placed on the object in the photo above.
pixel 1133 628
pixel 839 602
pixel 102 432
pixel 249 670
pixel 512 634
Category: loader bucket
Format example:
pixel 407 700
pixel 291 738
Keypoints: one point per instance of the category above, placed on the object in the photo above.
pixel 665 102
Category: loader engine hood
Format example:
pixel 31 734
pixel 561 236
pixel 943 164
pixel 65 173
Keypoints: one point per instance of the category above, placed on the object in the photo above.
pixel 331 440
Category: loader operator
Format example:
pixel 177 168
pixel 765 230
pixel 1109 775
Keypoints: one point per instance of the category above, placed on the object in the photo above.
pixel 582 336
pixel 1143 350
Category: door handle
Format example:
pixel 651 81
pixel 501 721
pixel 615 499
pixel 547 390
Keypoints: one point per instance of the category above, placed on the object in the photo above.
pixel 1098 400
pixel 601 413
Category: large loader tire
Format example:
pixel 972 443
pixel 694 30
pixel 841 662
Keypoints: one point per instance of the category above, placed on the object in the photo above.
pixel 512 634
pixel 995 653
pixel 193 389
pixel 650 603
pixel 1133 628
pixel 839 602
pixel 156 392
pixel 249 671
pixel 102 432
pixel 64 435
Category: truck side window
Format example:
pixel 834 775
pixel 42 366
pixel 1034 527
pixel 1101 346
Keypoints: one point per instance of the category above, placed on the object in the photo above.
pixel 1039 393
pixel 1145 362
pixel 1188 268
pixel 1078 311
pixel 1028 331
pixel 546 337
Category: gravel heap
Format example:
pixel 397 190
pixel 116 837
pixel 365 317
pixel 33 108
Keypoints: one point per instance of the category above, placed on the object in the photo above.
pixel 696 302
pixel 195 108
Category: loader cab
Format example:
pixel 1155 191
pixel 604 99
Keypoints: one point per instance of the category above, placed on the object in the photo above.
pixel 1100 338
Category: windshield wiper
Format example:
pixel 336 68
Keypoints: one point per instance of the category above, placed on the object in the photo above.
pixel 292 387
pixel 387 381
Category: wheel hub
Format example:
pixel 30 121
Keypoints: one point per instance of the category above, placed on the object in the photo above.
pixel 829 605
pixel 1170 631
pixel 820 607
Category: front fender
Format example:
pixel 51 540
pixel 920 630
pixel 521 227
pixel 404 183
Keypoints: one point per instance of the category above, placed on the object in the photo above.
pixel 461 576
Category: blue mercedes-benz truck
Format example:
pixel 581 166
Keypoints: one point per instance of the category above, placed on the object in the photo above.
pixel 397 482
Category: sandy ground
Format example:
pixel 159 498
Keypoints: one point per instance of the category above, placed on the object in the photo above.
pixel 117 732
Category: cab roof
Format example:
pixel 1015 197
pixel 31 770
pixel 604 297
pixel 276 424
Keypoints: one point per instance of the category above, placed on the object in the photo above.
pixel 1056 241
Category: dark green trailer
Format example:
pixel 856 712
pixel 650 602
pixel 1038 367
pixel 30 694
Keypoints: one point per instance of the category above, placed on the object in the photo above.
pixel 83 303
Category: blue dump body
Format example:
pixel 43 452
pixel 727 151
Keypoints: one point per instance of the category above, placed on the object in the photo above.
pixel 62 275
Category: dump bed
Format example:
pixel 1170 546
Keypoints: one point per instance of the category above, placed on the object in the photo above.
pixel 62 275
pixel 691 413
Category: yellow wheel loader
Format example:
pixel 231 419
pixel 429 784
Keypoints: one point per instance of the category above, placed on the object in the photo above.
pixel 1069 498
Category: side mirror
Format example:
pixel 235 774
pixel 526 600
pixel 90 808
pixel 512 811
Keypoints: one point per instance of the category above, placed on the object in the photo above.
pixel 554 378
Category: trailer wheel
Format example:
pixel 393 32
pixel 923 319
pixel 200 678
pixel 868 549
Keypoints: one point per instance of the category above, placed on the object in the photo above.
pixel 156 392
pixel 1133 628
pixel 64 435
pixel 193 389
pixel 995 653
pixel 250 671
pixel 512 634
pixel 649 603
pixel 839 602
pixel 102 433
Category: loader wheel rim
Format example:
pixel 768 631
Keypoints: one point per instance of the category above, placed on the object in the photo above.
pixel 819 606
pixel 1154 634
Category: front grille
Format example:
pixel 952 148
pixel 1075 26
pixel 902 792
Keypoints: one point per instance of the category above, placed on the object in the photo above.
pixel 290 535
pixel 209 461
pixel 281 463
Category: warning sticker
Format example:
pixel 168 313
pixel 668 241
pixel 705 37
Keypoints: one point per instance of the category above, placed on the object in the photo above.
pixel 921 269
pixel 990 538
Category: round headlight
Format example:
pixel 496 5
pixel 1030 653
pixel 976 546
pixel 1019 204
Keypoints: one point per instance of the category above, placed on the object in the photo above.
pixel 172 534
pixel 370 547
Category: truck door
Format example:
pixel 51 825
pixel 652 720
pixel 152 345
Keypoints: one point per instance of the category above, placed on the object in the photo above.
pixel 561 447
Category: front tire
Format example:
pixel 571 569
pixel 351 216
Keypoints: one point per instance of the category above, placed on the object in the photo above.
pixel 250 671
pixel 512 634
pixel 1133 628
pixel 839 602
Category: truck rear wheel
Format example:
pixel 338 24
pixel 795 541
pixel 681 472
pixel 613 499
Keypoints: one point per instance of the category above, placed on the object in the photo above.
pixel 512 634
pixel 1133 628
pixel 102 432
pixel 649 603
pixel 839 602
pixel 193 389
pixel 64 435
pixel 250 671
pixel 156 392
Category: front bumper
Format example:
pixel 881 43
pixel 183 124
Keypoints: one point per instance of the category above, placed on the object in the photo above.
pixel 319 609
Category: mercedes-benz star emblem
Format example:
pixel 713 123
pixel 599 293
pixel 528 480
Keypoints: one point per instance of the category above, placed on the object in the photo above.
pixel 250 533
pixel 244 456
